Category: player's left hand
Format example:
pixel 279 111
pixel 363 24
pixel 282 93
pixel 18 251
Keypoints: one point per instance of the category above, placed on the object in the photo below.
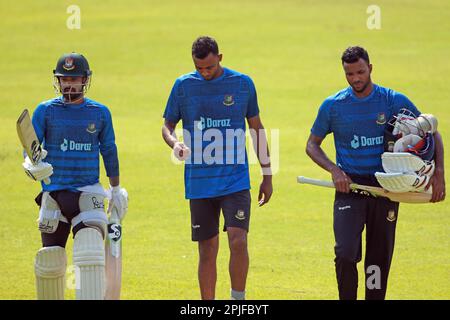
pixel 265 190
pixel 437 182
pixel 119 201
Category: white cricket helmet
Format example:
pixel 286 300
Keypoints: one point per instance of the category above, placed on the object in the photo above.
pixel 406 122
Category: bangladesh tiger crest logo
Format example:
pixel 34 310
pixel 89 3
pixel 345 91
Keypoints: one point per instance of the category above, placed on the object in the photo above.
pixel 390 147
pixel 228 100
pixel 91 128
pixel 391 216
pixel 381 119
pixel 68 64
pixel 240 215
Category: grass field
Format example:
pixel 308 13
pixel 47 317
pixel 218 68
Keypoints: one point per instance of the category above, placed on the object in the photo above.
pixel 292 50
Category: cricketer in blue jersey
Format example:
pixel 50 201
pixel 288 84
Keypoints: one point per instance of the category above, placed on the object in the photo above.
pixel 358 118
pixel 73 131
pixel 213 104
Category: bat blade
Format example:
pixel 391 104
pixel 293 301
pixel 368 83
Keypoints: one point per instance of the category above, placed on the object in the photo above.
pixel 406 197
pixel 29 139
pixel 113 255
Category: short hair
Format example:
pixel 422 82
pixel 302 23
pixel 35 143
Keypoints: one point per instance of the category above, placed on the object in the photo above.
pixel 203 46
pixel 353 54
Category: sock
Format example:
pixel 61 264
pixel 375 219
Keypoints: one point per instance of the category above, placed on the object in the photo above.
pixel 237 295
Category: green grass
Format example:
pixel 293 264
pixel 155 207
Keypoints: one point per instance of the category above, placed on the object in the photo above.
pixel 291 49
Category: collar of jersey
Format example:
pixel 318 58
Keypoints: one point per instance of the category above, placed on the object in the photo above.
pixel 223 75
pixel 375 88
pixel 72 105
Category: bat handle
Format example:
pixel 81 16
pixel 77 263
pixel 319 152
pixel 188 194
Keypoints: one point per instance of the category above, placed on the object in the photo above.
pixel 115 216
pixel 321 183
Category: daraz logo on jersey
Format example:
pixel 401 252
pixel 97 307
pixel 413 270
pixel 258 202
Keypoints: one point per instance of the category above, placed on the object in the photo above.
pixel 75 146
pixel 206 123
pixel 362 141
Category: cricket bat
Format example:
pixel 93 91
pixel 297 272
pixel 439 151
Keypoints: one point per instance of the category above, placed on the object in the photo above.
pixel 407 197
pixel 28 139
pixel 113 256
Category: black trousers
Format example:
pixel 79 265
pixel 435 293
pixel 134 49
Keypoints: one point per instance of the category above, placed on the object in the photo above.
pixel 353 212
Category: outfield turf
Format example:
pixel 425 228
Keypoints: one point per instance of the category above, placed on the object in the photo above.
pixel 291 49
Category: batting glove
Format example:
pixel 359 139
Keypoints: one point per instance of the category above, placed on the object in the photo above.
pixel 40 171
pixel 119 201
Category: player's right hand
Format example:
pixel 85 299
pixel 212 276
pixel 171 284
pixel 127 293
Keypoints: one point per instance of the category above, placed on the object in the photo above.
pixel 119 201
pixel 181 151
pixel 40 171
pixel 341 180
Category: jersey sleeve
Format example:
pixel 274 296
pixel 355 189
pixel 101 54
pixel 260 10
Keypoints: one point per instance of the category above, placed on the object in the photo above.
pixel 400 101
pixel 38 121
pixel 322 125
pixel 108 148
pixel 252 108
pixel 172 112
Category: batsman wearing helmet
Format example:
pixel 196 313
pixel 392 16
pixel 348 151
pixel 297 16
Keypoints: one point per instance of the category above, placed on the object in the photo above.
pixel 73 130
pixel 358 117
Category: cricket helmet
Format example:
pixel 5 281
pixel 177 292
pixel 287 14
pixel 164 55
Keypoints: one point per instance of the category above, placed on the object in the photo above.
pixel 424 148
pixel 72 65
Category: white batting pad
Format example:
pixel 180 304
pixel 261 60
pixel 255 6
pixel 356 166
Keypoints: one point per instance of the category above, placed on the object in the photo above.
pixel 89 258
pixel 50 269
pixel 92 211
pixel 400 182
pixel 404 162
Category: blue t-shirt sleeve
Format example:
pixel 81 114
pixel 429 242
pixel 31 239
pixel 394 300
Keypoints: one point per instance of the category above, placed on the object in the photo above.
pixel 252 108
pixel 400 101
pixel 108 148
pixel 172 111
pixel 322 126
pixel 38 121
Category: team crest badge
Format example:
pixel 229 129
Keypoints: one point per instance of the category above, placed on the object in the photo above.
pixel 240 215
pixel 91 128
pixel 391 216
pixel 228 100
pixel 390 146
pixel 381 119
pixel 68 64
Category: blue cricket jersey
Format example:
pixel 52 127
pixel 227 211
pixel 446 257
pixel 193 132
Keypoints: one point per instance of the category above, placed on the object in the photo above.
pixel 358 126
pixel 74 135
pixel 213 114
